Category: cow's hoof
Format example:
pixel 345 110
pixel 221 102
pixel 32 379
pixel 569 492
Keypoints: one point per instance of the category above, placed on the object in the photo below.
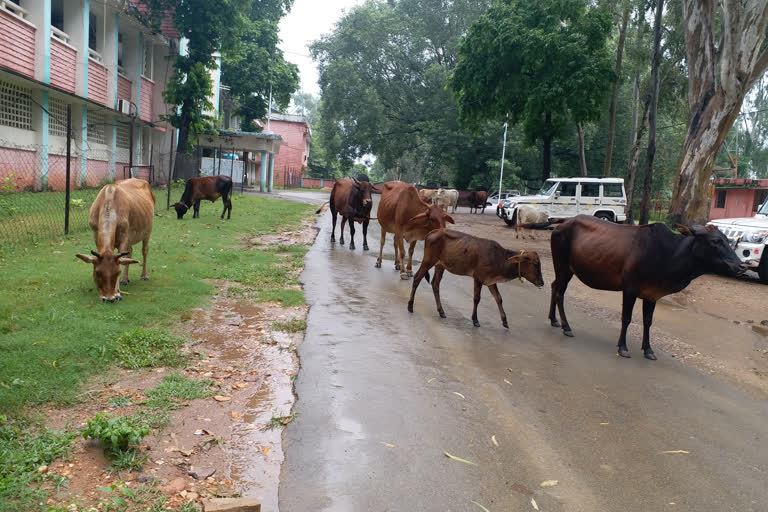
pixel 650 355
pixel 144 278
pixel 397 267
pixel 341 242
pixel 505 324
pixel 441 313
pixel 624 353
pixel 475 323
pixel 404 277
pixel 555 323
pixel 333 240
pixel 378 264
pixel 124 283
pixel 365 247
pixel 568 332
pixel 410 307
pixel 351 247
pixel 410 273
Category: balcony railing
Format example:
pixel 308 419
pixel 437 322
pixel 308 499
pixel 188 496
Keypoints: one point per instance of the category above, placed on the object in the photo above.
pixel 59 34
pixel 93 54
pixel 14 9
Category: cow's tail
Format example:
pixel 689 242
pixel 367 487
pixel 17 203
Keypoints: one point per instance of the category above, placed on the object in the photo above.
pixel 323 206
pixel 541 225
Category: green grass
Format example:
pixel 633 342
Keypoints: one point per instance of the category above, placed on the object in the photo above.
pixel 175 389
pixel 143 348
pixel 292 325
pixel 54 331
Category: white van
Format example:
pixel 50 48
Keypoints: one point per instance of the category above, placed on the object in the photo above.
pixel 561 198
pixel 749 238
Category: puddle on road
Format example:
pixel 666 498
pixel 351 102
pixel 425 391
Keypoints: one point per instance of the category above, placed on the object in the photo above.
pixel 255 365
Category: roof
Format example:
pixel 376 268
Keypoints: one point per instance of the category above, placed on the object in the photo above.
pixel 240 140
pixel 739 183
pixel 290 118
pixel 589 179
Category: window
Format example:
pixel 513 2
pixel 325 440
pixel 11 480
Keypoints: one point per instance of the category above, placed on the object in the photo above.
pixel 590 190
pixel 57 121
pixel 568 188
pixel 96 127
pixel 612 190
pixel 93 24
pixel 760 197
pixel 123 136
pixel 57 14
pixel 119 50
pixel 15 106
pixel 146 61
pixel 720 203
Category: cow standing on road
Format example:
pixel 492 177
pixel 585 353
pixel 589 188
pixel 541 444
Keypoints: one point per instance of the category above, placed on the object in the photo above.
pixel 401 212
pixel 474 199
pixel 351 199
pixel 484 260
pixel 207 187
pixel 646 262
pixel 121 216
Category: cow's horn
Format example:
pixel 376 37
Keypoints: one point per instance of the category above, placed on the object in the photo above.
pixel 95 254
pixel 121 254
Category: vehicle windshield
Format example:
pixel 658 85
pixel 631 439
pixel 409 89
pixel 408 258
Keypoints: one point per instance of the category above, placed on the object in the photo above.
pixel 547 189
pixel 764 208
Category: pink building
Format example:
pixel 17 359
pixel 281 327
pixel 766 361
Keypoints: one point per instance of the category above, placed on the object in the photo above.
pixel 735 198
pixel 294 150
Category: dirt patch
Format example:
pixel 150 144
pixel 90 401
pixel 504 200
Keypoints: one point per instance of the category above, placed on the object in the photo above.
pixel 221 446
pixel 305 235
pixel 707 325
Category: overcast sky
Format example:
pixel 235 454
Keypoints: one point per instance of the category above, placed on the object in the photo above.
pixel 307 21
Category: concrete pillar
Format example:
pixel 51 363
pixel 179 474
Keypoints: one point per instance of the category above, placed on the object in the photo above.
pixel 321 182
pixel 137 83
pixel 271 171
pixel 112 173
pixel 301 182
pixel 109 54
pixel 263 175
pixel 83 144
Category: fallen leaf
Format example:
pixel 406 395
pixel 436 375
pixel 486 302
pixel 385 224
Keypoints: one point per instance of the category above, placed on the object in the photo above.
pixel 222 398
pixel 388 445
pixel 493 438
pixel 235 415
pixel 39 343
pixel 533 503
pixel 505 380
pixel 675 451
pixel 430 380
pixel 605 423
pixel 548 483
pixel 198 432
pixel 459 459
pixel 459 394
pixel 265 449
pixel 479 505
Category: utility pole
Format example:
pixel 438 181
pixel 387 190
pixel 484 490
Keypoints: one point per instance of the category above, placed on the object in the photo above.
pixel 503 151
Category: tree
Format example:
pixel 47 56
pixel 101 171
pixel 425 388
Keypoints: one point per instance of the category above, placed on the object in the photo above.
pixel 719 77
pixel 615 91
pixel 543 63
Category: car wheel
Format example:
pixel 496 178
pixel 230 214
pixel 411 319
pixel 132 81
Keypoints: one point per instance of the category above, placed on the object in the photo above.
pixel 604 216
pixel 498 212
pixel 509 222
pixel 762 270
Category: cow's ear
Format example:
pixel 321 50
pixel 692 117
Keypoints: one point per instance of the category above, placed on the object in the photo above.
pixel 86 258
pixel 516 259
pixel 126 261
pixel 684 230
pixel 448 218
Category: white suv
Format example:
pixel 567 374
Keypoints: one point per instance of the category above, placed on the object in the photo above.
pixel 567 197
pixel 748 237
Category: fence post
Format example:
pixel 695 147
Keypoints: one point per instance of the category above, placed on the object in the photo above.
pixel 219 158
pixel 130 153
pixel 151 173
pixel 245 170
pixel 232 164
pixel 170 168
pixel 69 153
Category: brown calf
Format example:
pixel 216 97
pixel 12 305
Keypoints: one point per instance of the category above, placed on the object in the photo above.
pixel 484 260
pixel 207 187
pixel 121 216
pixel 401 212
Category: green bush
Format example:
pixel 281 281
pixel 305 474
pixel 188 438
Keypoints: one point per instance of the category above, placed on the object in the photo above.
pixel 117 434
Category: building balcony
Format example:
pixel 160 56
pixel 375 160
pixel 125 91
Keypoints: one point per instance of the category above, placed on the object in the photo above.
pixel 97 80
pixel 63 61
pixel 147 93
pixel 17 39
pixel 124 88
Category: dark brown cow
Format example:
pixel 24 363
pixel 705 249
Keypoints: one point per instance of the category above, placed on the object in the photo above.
pixel 207 187
pixel 351 199
pixel 121 216
pixel 401 212
pixel 648 262
pixel 484 260
pixel 474 199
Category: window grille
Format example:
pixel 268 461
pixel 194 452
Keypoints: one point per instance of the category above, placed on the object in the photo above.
pixel 146 60
pixel 123 136
pixel 57 121
pixel 96 127
pixel 15 106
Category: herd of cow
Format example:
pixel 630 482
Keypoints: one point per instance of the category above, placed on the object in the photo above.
pixel 646 262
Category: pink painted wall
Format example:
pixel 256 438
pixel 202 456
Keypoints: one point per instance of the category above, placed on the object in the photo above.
pixel 147 92
pixel 124 88
pixel 97 82
pixel 293 156
pixel 97 173
pixel 739 202
pixel 63 65
pixel 21 164
pixel 17 44
pixel 57 172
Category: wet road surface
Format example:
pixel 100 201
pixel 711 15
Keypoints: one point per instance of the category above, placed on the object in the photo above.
pixel 382 394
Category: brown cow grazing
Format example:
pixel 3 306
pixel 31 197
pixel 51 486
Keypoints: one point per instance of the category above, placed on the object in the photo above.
pixel 401 212
pixel 351 199
pixel 121 216
pixel 646 262
pixel 484 260
pixel 207 187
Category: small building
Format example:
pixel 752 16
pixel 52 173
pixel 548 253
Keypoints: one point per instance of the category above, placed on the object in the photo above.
pixel 737 197
pixel 296 134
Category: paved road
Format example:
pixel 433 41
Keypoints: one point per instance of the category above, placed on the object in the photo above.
pixel 382 394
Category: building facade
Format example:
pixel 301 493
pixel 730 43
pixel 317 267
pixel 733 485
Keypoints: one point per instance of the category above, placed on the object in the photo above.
pixel 736 198
pixel 100 58
pixel 296 134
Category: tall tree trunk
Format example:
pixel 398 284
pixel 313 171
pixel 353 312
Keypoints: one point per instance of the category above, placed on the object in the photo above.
pixel 635 101
pixel 634 156
pixel 185 165
pixel 582 156
pixel 615 92
pixel 547 149
pixel 714 104
pixel 645 204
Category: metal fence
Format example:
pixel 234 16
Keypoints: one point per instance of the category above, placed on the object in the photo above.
pixel 46 192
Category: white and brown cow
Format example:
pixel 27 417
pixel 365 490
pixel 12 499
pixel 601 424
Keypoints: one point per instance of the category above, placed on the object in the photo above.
pixel 121 216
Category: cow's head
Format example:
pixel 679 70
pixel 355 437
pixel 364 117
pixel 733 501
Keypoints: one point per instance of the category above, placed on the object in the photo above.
pixel 181 209
pixel 434 218
pixel 711 250
pixel 363 189
pixel 527 265
pixel 106 272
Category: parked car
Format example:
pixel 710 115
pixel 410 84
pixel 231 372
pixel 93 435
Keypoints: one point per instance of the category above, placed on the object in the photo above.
pixel 748 237
pixel 561 198
pixel 495 199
